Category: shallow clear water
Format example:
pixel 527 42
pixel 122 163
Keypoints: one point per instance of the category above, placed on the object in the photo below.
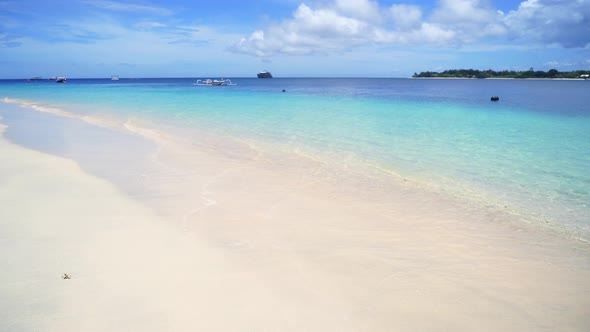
pixel 529 152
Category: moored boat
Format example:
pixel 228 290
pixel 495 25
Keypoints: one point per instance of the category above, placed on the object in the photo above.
pixel 264 74
pixel 210 82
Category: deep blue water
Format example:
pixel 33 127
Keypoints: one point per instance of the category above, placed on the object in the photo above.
pixel 530 151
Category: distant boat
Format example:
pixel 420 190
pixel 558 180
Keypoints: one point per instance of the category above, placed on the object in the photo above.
pixel 60 79
pixel 115 78
pixel 210 82
pixel 36 78
pixel 264 74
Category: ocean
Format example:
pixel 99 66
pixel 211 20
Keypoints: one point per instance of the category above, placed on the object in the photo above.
pixel 528 153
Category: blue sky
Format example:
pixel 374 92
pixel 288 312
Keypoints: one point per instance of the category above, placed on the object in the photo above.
pixel 291 38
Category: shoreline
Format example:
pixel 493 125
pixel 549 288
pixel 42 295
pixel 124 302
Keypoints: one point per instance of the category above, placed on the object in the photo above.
pixel 500 78
pixel 361 172
pixel 314 254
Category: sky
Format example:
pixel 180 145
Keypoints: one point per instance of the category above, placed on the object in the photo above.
pixel 290 38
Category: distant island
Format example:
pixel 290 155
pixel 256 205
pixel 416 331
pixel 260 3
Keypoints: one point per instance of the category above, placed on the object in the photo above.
pixel 531 73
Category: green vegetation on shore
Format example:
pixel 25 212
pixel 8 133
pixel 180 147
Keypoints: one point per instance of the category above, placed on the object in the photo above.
pixel 531 73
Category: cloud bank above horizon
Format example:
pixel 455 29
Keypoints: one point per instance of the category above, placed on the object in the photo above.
pixel 344 24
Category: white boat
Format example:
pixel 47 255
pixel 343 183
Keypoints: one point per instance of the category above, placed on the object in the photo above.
pixel 115 78
pixel 60 79
pixel 210 82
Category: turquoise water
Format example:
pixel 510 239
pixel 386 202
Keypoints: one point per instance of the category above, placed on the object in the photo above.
pixel 529 153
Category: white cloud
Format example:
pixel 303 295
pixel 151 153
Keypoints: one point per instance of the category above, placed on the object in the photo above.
pixel 343 24
pixel 549 21
pixel 309 31
pixel 147 25
pixel 326 23
pixel 471 20
pixel 360 9
pixel 406 16
pixel 570 63
pixel 7 40
pixel 129 7
pixel 461 11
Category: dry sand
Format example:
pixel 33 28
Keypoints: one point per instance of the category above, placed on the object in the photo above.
pixel 208 236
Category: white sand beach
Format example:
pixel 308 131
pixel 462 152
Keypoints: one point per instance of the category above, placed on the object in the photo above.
pixel 159 235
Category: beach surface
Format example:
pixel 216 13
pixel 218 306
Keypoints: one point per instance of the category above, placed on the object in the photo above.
pixel 159 234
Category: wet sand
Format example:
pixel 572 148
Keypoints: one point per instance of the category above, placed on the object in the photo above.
pixel 162 234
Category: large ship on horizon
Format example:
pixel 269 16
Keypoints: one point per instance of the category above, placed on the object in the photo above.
pixel 264 74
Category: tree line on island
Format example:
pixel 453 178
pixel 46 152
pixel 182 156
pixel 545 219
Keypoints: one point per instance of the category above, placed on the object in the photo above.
pixel 531 73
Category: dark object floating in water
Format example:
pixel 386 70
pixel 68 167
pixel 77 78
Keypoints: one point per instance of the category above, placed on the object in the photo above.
pixel 264 74
pixel 66 276
pixel 495 98
pixel 284 90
